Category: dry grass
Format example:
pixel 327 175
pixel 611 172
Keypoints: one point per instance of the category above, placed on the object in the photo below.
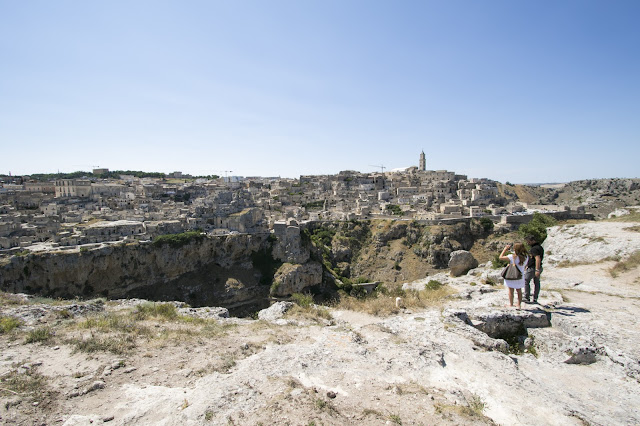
pixel 314 313
pixel 633 216
pixel 162 311
pixel 29 383
pixel 628 264
pixel 385 304
pixel 39 335
pixel 572 263
pixel 118 344
pixel 11 299
pixel 8 324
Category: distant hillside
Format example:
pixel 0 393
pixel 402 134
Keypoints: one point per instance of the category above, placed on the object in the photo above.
pixel 526 193
pixel 598 196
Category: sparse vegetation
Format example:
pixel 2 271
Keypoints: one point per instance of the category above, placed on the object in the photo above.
pixel 496 263
pixel 476 404
pixel 166 311
pixel 395 209
pixel 39 335
pixel 179 240
pixel 395 419
pixel 433 285
pixel 305 309
pixel 633 216
pixel 383 302
pixel 121 344
pixel 8 324
pixel 632 262
pixel 302 300
pixel 28 383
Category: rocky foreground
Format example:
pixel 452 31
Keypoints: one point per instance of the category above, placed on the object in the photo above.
pixel 574 359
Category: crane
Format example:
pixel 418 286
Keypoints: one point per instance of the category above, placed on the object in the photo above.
pixel 226 173
pixel 380 166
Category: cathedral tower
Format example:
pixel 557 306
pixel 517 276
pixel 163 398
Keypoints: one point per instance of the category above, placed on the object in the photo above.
pixel 423 162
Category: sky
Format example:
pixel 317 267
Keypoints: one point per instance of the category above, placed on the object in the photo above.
pixel 510 90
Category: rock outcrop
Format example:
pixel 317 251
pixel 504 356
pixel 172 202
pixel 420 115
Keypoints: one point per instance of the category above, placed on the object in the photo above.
pixel 214 271
pixel 295 278
pixel 461 262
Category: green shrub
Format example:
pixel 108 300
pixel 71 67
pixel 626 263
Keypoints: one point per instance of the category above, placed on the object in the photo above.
pixel 497 263
pixel 487 224
pixel 8 323
pixel 537 227
pixel 178 240
pixel 322 236
pixel 274 287
pixel 395 209
pixel 433 285
pixel 302 300
pixel 39 335
pixel 162 310
pixel 358 291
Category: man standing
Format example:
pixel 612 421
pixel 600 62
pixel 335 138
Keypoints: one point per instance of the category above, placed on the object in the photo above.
pixel 534 269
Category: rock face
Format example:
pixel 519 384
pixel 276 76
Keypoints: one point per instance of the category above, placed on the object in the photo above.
pixel 288 246
pixel 295 278
pixel 216 271
pixel 461 262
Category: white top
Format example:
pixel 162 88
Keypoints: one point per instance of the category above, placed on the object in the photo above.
pixel 521 266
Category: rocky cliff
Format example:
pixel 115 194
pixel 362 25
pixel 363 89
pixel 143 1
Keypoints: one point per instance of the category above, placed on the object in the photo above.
pixel 238 271
pixel 224 271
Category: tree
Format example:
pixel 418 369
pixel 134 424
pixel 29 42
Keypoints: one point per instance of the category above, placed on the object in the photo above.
pixel 537 227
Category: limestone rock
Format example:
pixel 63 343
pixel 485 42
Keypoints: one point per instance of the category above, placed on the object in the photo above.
pixel 289 247
pixel 506 323
pixel 460 262
pixel 582 355
pixel 205 313
pixel 294 278
pixel 275 311
pixel 340 251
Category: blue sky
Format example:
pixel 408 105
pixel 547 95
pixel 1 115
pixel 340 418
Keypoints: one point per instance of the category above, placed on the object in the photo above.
pixel 519 91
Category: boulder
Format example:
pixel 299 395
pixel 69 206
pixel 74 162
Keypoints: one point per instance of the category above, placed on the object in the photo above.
pixel 460 262
pixel 501 323
pixel 275 311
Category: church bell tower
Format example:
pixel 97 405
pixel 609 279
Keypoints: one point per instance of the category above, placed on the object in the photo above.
pixel 423 162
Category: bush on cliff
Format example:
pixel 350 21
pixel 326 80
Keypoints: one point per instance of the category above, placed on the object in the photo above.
pixel 537 227
pixel 178 240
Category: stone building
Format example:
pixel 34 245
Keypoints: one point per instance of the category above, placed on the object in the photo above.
pixel 72 188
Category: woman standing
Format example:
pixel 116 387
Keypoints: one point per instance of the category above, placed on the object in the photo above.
pixel 520 259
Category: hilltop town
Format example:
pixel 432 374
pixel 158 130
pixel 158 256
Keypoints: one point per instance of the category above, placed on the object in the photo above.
pixel 102 206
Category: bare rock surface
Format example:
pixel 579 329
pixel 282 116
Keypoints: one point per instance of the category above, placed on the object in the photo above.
pixel 571 360
pixel 461 262
pixel 590 242
pixel 294 278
